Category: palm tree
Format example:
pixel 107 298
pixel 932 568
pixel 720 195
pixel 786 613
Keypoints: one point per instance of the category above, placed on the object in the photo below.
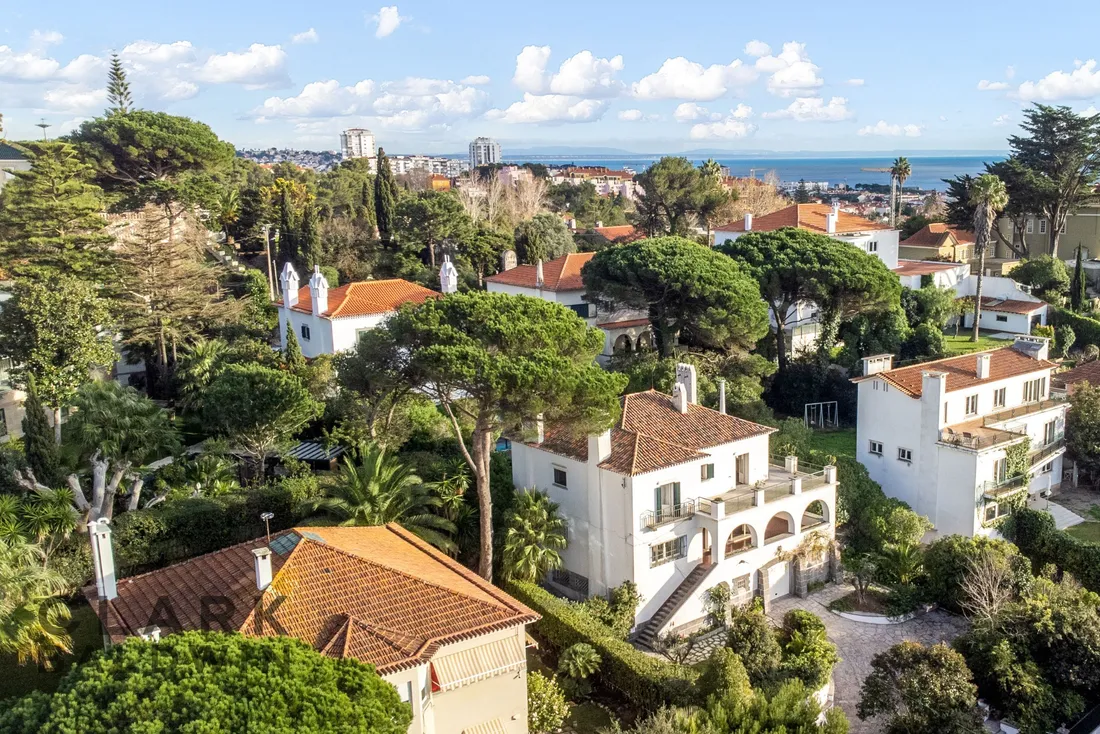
pixel 712 169
pixel 900 171
pixel 903 563
pixel 197 369
pixel 988 196
pixel 535 533
pixel 382 489
pixel 229 210
pixel 31 614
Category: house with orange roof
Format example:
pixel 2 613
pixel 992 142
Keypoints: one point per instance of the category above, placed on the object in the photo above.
pixel 939 240
pixel 679 499
pixel 327 321
pixel 560 281
pixel 452 644
pixel 963 439
pixel 874 238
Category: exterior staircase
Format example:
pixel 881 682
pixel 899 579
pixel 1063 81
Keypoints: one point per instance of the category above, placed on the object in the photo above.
pixel 647 635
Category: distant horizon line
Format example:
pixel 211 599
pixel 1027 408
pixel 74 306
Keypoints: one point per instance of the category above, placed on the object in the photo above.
pixel 536 153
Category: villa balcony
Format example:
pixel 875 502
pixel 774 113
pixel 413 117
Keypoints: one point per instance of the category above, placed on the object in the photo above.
pixel 990 431
pixel 669 513
pixel 1042 452
pixel 782 482
pixel 1003 416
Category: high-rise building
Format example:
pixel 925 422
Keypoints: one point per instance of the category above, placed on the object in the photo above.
pixel 484 152
pixel 358 142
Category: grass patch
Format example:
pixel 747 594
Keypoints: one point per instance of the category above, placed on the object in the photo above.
pixel 874 602
pixel 588 718
pixel 18 680
pixel 841 442
pixel 1086 531
pixel 961 344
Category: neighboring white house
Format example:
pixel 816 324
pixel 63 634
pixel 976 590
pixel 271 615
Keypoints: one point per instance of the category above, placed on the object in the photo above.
pixel 330 321
pixel 678 498
pixel 11 159
pixel 936 434
pixel 874 238
pixel 560 281
pixel 943 275
pixel 1006 305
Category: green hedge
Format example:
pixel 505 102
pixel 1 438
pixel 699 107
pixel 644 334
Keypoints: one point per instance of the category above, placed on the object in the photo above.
pixel 645 681
pixel 1085 329
pixel 1039 539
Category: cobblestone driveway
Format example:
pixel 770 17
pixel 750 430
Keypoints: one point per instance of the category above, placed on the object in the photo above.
pixel 858 643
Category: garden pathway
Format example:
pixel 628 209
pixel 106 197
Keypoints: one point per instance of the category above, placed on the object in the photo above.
pixel 858 642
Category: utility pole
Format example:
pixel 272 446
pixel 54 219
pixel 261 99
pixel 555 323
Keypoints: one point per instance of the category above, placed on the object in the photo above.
pixel 43 124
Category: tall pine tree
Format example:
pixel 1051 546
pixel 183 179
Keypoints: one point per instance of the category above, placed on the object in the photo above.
pixel 293 359
pixel 1077 295
pixel 385 198
pixel 309 240
pixel 51 220
pixel 118 88
pixel 38 440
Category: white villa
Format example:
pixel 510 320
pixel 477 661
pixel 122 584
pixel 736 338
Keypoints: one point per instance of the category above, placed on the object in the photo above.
pixel 874 238
pixel 937 435
pixel 330 321
pixel 679 498
pixel 560 281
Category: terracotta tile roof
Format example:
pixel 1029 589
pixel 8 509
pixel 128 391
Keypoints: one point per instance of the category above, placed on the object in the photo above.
pixel 924 267
pixel 938 234
pixel 651 434
pixel 365 298
pixel 1007 305
pixel 620 232
pixel 378 594
pixel 563 274
pixel 623 324
pixel 1088 372
pixel 806 216
pixel 962 371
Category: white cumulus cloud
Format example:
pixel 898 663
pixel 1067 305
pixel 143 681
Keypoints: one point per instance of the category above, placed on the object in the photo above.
pixel 585 75
pixel 259 67
pixel 386 21
pixel 1081 83
pixel 530 73
pixel 25 67
pixel 476 80
pixel 732 126
pixel 688 111
pixel 44 39
pixel 679 78
pixel 320 99
pixel 792 72
pixel 757 48
pixel 309 36
pixel 814 109
pixel 75 101
pixel 631 115
pixel 1001 120
pixel 550 108
pixel 987 86
pixel 884 129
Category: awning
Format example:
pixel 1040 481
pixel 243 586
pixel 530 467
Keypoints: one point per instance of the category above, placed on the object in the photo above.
pixel 478 663
pixel 489 727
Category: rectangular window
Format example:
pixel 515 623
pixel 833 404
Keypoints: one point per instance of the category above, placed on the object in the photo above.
pixel 1035 389
pixel 305 332
pixel 991 512
pixel 584 310
pixel 1048 467
pixel 972 405
pixel 872 247
pixel 1042 226
pixel 707 472
pixel 905 455
pixel 1000 470
pixel 1001 318
pixel 999 398
pixel 742 584
pixel 875 447
pixel 561 479
pixel 670 550
pixel 1050 430
pixel 666 498
pixel 1030 226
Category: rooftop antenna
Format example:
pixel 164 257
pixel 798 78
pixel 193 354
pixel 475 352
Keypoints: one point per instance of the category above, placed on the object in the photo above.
pixel 43 124
pixel 267 517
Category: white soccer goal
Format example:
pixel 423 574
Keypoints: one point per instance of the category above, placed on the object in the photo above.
pixel 821 415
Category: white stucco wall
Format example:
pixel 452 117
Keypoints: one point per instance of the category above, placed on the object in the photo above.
pixel 326 336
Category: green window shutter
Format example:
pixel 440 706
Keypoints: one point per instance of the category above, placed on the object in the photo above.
pixel 657 499
pixel 676 493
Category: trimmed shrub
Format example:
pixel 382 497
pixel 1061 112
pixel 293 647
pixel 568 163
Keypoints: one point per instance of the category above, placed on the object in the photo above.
pixel 546 704
pixel 643 680
pixel 947 561
pixel 1087 330
pixel 1037 538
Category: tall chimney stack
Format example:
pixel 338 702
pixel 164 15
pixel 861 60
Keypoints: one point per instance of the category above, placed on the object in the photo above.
pixel 748 222
pixel 722 395
pixel 539 279
pixel 262 558
pixel 103 559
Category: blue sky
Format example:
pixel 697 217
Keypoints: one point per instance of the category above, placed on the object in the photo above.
pixel 644 76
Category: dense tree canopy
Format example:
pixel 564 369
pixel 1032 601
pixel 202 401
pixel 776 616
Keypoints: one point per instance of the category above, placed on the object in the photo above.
pixel 217 684
pixel 684 287
pixel 543 237
pixel 1046 275
pixel 676 195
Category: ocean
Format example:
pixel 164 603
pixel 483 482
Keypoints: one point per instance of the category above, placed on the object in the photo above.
pixel 928 172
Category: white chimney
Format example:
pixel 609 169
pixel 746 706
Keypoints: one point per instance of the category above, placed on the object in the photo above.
pixel 573 223
pixel 836 209
pixel 686 376
pixel 830 222
pixel 448 276
pixel 539 279
pixel 318 291
pixel 748 222
pixel 679 398
pixel 289 280
pixel 1036 347
pixel 103 559
pixel 507 260
pixel 983 366
pixel 151 633
pixel 540 428
pixel 722 395
pixel 599 447
pixel 877 363
pixel 262 558
pixel 598 224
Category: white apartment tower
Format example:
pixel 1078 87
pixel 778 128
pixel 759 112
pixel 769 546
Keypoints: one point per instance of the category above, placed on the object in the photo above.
pixel 358 142
pixel 484 152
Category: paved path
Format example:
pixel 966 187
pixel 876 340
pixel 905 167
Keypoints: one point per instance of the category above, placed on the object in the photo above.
pixel 858 642
pixel 1063 516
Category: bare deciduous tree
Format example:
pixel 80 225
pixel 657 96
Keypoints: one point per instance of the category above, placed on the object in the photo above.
pixel 987 587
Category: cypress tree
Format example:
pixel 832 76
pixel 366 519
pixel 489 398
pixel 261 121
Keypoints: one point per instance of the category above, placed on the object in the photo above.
pixel 802 194
pixel 366 205
pixel 309 240
pixel 385 198
pixel 1077 296
pixel 288 240
pixel 38 439
pixel 292 356
pixel 118 88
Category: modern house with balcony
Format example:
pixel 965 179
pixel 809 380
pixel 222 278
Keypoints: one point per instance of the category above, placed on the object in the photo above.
pixel 679 498
pixel 962 440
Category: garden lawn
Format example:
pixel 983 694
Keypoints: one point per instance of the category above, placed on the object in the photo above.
pixel 18 680
pixel 961 344
pixel 841 442
pixel 1086 531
